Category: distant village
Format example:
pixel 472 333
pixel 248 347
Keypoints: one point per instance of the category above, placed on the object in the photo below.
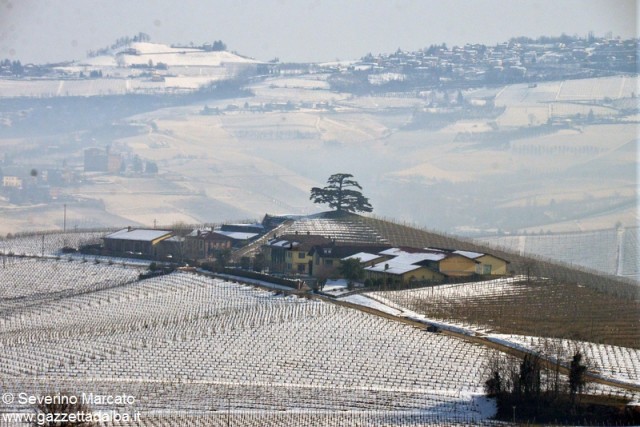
pixel 268 248
pixel 23 185
pixel 521 59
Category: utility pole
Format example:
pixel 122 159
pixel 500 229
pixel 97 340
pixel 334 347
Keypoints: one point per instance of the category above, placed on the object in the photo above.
pixel 228 409
pixel 64 226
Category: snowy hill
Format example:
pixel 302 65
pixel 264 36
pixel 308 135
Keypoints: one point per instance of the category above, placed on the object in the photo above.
pixel 136 68
pixel 140 53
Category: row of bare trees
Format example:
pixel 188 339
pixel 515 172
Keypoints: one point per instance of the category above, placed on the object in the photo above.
pixel 532 390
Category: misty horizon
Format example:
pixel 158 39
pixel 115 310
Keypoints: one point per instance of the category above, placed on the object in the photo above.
pixel 300 31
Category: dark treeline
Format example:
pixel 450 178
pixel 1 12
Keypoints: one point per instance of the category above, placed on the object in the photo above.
pixel 530 391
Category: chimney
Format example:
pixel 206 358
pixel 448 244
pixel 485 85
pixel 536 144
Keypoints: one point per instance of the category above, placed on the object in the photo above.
pixel 128 228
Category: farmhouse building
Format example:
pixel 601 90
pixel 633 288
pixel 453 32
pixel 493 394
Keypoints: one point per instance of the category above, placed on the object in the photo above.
pixel 171 249
pixel 244 228
pixel 486 264
pixel 405 265
pixel 138 242
pixel 11 181
pixel 327 258
pixel 206 244
pixel 290 254
pixel 99 160
pixel 238 238
pixel 395 272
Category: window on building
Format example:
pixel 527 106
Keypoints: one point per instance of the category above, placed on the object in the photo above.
pixel 302 255
pixel 328 262
pixel 301 268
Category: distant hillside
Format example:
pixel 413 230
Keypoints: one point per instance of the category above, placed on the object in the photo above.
pixel 140 53
pixel 140 68
pixel 610 251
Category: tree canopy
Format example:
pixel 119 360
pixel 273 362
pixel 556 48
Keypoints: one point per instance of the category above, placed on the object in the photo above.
pixel 576 375
pixel 342 194
pixel 351 269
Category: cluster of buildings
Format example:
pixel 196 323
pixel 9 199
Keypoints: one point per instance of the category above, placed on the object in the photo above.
pixel 104 160
pixel 520 59
pixel 21 185
pixel 168 245
pixel 101 160
pixel 305 255
pixel 44 183
pixel 321 258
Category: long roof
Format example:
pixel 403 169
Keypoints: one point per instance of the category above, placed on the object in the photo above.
pixel 363 256
pixel 302 242
pixel 402 256
pixel 237 235
pixel 391 267
pixel 405 260
pixel 139 234
pixel 469 254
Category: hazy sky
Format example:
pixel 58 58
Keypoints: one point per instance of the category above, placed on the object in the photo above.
pixel 297 30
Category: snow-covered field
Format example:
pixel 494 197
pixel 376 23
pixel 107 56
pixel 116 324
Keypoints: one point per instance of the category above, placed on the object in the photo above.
pixel 484 289
pixel 114 86
pixel 48 243
pixel 192 347
pixel 610 251
pixel 533 106
pixel 32 282
pixel 141 53
pixel 185 69
pixel 184 343
pixel 618 363
pixel 621 364
pixel 240 347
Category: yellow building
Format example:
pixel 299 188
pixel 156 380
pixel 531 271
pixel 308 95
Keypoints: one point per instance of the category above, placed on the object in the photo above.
pixel 488 265
pixel 328 258
pixel 11 181
pixel 483 264
pixel 390 272
pixel 454 265
pixel 291 254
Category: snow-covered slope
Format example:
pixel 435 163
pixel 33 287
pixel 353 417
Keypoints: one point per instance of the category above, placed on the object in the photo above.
pixel 142 52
